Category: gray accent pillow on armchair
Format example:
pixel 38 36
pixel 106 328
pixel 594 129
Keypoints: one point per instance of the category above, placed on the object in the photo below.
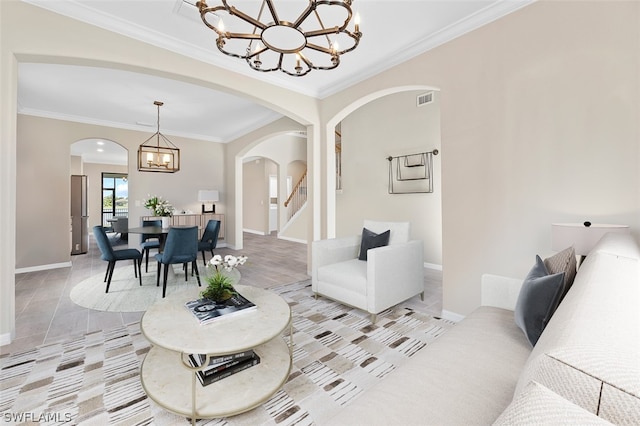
pixel 538 300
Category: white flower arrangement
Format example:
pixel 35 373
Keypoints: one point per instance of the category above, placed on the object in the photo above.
pixel 228 262
pixel 158 206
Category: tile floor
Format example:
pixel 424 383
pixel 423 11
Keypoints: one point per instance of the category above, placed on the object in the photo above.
pixel 46 314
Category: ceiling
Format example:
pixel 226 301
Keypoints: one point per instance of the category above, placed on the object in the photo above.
pixel 393 32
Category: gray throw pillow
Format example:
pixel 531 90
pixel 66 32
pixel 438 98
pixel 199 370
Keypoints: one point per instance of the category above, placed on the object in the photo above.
pixel 564 261
pixel 538 300
pixel 372 240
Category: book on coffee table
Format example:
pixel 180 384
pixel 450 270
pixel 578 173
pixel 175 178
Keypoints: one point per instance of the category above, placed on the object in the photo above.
pixel 219 363
pixel 212 375
pixel 206 310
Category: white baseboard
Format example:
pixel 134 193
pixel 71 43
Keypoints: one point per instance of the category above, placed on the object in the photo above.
pixel 5 339
pixel 253 231
pixel 43 267
pixel 433 266
pixel 295 240
pixel 452 316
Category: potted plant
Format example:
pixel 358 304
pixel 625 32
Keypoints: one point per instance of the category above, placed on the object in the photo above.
pixel 220 281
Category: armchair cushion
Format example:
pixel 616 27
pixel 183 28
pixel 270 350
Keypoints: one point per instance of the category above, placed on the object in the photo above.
pixel 372 240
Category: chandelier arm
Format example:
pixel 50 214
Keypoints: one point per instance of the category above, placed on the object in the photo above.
pixel 233 11
pixel 272 9
pixel 242 36
pixel 305 14
pixel 321 49
pixel 322 32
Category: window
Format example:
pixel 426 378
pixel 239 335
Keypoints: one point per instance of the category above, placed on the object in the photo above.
pixel 115 197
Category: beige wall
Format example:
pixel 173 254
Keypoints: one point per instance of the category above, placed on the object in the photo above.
pixel 255 176
pixel 539 121
pixel 390 126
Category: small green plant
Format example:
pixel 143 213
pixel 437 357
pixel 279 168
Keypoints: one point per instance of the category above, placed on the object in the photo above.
pixel 220 286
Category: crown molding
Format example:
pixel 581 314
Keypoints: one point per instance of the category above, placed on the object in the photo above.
pixel 105 123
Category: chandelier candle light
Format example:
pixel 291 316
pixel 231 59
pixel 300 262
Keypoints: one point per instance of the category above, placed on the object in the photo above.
pixel 294 41
pixel 163 156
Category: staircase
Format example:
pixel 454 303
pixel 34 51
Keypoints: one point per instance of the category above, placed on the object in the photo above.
pixel 297 198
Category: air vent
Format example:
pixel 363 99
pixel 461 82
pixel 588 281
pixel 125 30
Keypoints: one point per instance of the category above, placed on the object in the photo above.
pixel 423 99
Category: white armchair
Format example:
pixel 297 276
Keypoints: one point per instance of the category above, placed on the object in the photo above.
pixel 392 274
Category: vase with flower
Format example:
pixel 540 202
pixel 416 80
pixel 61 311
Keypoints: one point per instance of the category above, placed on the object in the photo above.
pixel 221 276
pixel 161 208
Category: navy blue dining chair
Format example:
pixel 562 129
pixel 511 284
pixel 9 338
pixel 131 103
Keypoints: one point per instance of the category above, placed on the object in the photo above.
pixel 112 256
pixel 209 239
pixel 181 247
pixel 149 241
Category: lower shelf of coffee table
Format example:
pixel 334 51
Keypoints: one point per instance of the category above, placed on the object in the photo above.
pixel 168 383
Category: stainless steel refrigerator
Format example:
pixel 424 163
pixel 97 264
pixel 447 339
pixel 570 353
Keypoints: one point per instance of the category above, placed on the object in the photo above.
pixel 79 215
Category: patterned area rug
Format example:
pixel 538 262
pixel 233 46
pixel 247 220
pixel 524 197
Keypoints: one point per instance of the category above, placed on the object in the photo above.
pixel 94 379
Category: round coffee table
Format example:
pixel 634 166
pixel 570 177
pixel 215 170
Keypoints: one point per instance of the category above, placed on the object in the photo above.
pixel 175 333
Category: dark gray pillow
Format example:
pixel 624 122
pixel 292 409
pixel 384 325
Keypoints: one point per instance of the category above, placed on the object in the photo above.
pixel 538 300
pixel 372 240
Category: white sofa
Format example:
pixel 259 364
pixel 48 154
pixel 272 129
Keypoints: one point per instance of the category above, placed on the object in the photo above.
pixel 390 275
pixel 584 369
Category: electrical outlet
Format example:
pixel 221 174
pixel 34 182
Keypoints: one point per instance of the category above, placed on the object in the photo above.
pixel 77 246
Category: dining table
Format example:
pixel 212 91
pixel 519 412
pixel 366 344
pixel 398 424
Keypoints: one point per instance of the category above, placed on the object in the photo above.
pixel 156 231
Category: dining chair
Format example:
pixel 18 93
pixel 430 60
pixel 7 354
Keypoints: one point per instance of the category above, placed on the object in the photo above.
pixel 209 239
pixel 149 241
pixel 181 246
pixel 112 256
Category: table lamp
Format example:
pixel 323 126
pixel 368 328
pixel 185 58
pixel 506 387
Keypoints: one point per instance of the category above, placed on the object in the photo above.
pixel 208 196
pixel 582 236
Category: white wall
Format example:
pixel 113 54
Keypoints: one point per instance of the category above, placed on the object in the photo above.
pixel 390 126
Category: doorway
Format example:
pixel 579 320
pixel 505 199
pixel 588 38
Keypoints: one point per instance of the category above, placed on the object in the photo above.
pixel 115 197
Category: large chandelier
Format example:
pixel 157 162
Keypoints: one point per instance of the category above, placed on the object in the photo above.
pixel 307 36
pixel 158 154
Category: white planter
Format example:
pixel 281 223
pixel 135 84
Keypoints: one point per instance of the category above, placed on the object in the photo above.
pixel 166 221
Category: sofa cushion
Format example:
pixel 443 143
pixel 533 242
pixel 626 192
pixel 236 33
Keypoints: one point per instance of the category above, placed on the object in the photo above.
pixel 349 275
pixel 537 301
pixel 537 405
pixel 463 378
pixel 564 261
pixel 371 240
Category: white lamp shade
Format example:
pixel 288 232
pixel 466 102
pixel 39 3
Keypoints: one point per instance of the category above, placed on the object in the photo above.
pixel 581 237
pixel 208 195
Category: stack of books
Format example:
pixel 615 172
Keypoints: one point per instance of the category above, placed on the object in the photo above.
pixel 221 367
